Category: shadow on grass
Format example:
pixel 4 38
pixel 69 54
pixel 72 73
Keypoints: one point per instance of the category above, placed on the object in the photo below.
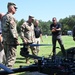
pixel 20 58
pixel 59 53
pixel 19 61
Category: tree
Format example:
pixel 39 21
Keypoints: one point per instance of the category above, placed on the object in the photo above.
pixel 19 24
pixel 67 24
pixel 45 26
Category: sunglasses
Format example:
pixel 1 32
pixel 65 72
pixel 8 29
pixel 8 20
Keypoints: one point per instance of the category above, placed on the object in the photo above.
pixel 15 7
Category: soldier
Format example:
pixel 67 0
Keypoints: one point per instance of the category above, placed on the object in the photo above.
pixel 2 54
pixel 27 34
pixel 10 34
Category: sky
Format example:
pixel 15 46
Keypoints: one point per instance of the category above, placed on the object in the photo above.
pixel 43 10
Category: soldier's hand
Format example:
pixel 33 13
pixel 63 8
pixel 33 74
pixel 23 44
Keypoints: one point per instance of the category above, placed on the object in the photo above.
pixel 25 41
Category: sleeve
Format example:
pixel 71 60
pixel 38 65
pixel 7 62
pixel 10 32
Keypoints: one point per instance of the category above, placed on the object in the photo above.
pixel 22 31
pixel 58 26
pixel 12 26
pixel 23 27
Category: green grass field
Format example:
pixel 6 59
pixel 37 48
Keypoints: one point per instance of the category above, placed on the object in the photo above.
pixel 44 50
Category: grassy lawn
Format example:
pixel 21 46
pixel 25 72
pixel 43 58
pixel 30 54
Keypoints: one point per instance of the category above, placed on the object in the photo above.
pixel 44 50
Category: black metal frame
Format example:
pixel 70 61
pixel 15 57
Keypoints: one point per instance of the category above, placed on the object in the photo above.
pixel 51 66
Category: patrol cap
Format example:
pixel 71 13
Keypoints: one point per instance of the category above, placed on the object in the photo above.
pixel 11 4
pixel 31 17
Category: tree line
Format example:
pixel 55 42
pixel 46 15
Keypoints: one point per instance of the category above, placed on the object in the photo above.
pixel 67 24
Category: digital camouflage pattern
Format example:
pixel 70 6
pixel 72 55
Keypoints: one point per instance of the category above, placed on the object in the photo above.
pixel 27 32
pixel 10 36
pixel 9 28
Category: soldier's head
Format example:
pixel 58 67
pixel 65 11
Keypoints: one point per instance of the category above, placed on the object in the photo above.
pixel 31 19
pixel 11 7
pixel 1 15
pixel 36 22
pixel 54 20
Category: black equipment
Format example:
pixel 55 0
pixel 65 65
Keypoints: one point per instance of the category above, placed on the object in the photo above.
pixel 71 53
pixel 50 66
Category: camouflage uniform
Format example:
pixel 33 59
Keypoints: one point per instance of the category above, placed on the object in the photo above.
pixel 27 33
pixel 10 36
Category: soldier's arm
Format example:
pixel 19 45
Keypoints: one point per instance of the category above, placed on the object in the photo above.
pixel 12 28
pixel 23 26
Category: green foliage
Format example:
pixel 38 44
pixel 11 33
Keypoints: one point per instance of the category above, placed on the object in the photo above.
pixel 67 24
pixel 45 26
pixel 19 25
